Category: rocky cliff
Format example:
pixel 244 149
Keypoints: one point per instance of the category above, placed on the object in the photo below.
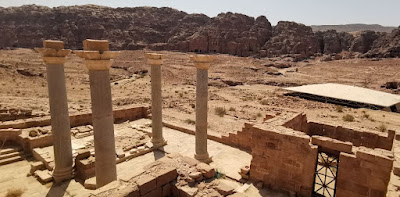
pixel 171 29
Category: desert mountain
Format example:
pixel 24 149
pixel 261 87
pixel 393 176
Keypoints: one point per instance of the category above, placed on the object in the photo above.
pixel 171 29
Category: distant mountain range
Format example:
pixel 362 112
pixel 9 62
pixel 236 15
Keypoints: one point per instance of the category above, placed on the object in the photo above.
pixel 353 28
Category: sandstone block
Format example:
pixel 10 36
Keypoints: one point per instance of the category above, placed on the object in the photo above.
pixel 187 191
pixel 44 176
pixel 166 190
pixel 37 165
pixel 130 191
pixel 332 144
pixel 90 183
pixel 190 161
pixel 245 169
pixel 377 193
pixel 154 193
pixel 225 189
pixel 53 44
pixel 96 45
pixel 377 159
pixel 174 189
pixel 165 176
pixel 149 145
pixel 146 183
pixel 206 170
pixel 82 154
pixel 120 153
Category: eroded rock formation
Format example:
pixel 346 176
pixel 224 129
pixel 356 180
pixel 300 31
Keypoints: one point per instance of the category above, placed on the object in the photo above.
pixel 171 29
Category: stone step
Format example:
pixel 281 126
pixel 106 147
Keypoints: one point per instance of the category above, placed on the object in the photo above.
pixel 9 155
pixel 44 176
pixel 11 160
pixel 9 150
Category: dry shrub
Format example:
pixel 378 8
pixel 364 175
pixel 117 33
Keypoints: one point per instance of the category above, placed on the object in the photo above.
pixel 264 102
pixel 382 128
pixel 220 111
pixel 348 118
pixel 14 192
pixel 339 108
pixel 190 121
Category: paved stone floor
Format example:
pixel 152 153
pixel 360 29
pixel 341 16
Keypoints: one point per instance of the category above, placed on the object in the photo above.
pixel 225 158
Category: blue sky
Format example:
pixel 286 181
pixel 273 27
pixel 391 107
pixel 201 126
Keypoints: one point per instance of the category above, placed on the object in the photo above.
pixel 309 12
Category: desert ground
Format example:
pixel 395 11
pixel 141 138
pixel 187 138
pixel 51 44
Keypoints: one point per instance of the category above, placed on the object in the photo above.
pixel 247 88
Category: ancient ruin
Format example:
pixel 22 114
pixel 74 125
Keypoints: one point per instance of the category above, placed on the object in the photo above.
pixel 163 103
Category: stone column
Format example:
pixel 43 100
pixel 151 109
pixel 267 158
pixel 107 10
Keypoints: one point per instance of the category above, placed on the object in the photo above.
pixel 54 56
pixel 155 61
pixel 98 60
pixel 202 63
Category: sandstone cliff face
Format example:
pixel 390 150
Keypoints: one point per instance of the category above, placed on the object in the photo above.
pixel 334 42
pixel 170 29
pixel 363 41
pixel 230 33
pixel 387 45
pixel 291 38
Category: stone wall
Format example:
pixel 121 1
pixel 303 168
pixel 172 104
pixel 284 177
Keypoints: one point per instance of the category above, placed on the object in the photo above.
pixel 356 137
pixel 241 139
pixel 283 159
pixel 78 119
pixel 12 130
pixel 15 114
pixel 367 173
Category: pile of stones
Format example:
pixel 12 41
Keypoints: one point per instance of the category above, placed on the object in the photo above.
pixel 14 114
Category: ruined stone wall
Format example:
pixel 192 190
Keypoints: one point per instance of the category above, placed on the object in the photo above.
pixel 241 139
pixel 367 173
pixel 357 138
pixel 298 123
pixel 78 119
pixel 283 159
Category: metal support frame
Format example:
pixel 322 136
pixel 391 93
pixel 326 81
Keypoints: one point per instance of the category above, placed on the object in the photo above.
pixel 325 174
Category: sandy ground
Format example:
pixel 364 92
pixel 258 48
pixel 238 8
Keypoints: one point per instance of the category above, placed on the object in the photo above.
pixel 259 95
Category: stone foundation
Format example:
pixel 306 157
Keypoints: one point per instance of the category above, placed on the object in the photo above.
pixel 285 156
pixel 17 132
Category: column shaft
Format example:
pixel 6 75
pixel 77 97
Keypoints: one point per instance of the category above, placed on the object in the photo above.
pixel 201 114
pixel 103 126
pixel 156 104
pixel 60 123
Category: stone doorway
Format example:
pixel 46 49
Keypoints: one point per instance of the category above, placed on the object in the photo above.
pixel 325 174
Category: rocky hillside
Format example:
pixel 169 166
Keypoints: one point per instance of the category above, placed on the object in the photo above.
pixel 353 28
pixel 170 29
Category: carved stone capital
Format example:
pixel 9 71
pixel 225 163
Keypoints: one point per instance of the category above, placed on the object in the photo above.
pixel 202 62
pixel 54 60
pixel 154 58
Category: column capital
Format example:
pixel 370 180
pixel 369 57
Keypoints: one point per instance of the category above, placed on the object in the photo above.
pixel 202 62
pixel 154 58
pixel 96 54
pixel 53 52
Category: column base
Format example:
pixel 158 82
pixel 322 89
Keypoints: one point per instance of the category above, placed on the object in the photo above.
pixel 158 143
pixel 205 158
pixel 62 175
